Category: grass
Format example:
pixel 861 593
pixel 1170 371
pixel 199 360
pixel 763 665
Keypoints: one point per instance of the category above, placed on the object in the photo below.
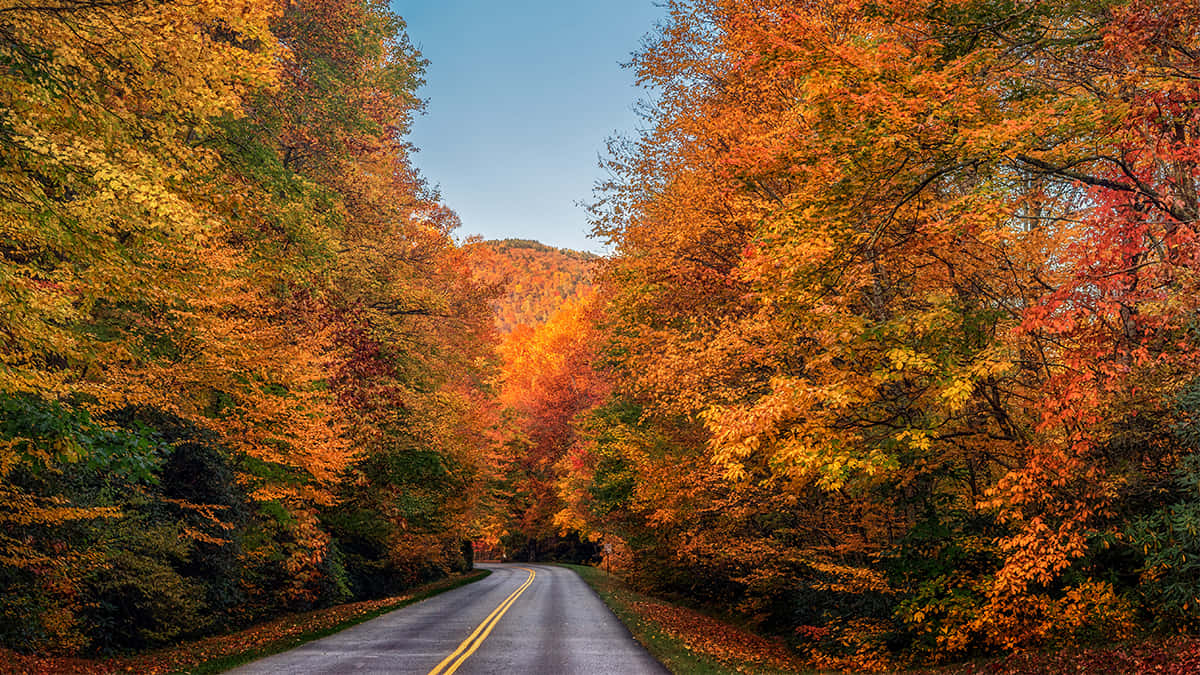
pixel 220 653
pixel 687 641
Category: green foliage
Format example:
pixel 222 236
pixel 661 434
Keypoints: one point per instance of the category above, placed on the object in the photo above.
pixel 45 434
pixel 388 500
pixel 1169 540
pixel 149 555
pixel 141 598
pixel 612 485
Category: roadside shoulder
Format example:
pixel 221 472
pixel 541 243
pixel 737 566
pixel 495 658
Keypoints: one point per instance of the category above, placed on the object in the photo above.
pixel 684 640
pixel 223 652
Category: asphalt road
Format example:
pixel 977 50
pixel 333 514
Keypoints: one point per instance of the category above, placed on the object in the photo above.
pixel 527 619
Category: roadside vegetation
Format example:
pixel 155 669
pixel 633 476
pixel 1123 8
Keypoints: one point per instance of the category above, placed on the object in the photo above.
pixel 688 641
pixel 220 653
pixel 684 640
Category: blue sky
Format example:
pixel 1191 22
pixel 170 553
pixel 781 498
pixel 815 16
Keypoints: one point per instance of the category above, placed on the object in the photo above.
pixel 522 96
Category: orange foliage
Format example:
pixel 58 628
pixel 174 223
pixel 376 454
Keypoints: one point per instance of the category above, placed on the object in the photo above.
pixel 919 277
pixel 537 280
pixel 547 378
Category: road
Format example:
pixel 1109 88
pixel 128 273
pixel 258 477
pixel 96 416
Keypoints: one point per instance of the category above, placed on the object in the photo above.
pixel 528 619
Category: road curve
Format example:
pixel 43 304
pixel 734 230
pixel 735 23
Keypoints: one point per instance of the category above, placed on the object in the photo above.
pixel 528 619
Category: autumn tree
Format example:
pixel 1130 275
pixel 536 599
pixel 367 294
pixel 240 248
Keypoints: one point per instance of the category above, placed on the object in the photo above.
pixel 232 301
pixel 910 267
pixel 547 379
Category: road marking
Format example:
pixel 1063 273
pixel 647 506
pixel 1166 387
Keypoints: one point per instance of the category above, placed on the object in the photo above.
pixel 476 638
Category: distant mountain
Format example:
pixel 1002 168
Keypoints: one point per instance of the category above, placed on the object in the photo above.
pixel 538 279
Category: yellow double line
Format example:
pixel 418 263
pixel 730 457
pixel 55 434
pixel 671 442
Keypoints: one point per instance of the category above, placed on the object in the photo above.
pixel 468 646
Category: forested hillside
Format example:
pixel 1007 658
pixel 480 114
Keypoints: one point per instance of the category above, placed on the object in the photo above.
pixel 241 356
pixel 536 280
